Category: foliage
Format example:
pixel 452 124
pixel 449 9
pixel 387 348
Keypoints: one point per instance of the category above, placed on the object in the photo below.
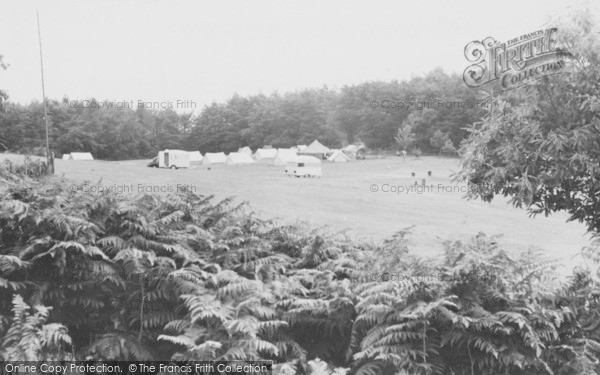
pixel 405 137
pixel 28 167
pixel 29 339
pixel 183 277
pixel 3 95
pixel 124 130
pixel 448 148
pixel 481 312
pixel 539 144
pixel 440 140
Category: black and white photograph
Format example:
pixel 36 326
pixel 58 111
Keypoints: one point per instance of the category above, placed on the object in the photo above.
pixel 300 187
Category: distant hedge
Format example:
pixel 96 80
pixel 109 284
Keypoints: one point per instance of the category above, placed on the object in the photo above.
pixel 26 167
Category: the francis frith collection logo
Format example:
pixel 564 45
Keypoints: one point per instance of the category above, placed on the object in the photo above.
pixel 515 62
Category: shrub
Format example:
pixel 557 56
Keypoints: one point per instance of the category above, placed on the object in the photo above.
pixel 186 277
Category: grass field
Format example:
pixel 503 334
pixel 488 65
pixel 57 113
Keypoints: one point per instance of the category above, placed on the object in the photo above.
pixel 343 199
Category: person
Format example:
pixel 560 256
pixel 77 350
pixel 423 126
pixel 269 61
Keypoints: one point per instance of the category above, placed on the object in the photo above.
pixel 403 155
pixel 397 153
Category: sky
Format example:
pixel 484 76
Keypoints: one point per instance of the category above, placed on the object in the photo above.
pixel 204 51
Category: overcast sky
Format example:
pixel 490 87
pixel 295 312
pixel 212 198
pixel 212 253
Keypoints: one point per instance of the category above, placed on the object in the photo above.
pixel 206 51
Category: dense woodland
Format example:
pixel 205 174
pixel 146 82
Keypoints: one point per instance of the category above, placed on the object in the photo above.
pixel 334 117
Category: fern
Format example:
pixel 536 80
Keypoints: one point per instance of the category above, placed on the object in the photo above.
pixel 29 339
pixel 185 278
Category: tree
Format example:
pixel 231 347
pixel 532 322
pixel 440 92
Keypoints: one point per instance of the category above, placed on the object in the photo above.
pixel 117 131
pixel 405 137
pixel 439 140
pixel 539 144
pixel 3 95
pixel 448 148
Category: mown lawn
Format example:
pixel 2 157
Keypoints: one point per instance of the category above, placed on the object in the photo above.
pixel 343 199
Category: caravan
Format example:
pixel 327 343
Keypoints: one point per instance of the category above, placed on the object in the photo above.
pixel 173 159
pixel 303 166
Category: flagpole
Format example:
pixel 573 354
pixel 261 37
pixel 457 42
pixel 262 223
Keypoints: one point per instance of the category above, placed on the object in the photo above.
pixel 44 95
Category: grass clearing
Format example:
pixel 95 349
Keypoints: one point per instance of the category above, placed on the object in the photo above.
pixel 343 200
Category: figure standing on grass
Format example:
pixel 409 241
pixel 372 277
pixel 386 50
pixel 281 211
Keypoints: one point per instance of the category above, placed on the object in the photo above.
pixel 403 155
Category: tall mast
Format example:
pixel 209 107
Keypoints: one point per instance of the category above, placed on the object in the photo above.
pixel 44 93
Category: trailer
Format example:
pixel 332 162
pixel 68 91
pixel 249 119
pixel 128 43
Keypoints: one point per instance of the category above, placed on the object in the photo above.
pixel 303 166
pixel 173 159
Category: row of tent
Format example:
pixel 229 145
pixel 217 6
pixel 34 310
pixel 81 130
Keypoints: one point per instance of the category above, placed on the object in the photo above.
pixel 278 157
pixel 244 155
pixel 236 158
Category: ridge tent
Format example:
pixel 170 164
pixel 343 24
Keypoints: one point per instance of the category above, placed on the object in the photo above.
pixel 80 156
pixel 338 157
pixel 350 148
pixel 263 154
pixel 195 156
pixel 316 149
pixel 246 150
pixel 66 157
pixel 238 158
pixel 301 147
pixel 214 158
pixel 353 150
pixel 283 156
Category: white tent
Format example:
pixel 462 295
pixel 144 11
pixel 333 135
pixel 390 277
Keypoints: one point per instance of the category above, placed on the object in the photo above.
pixel 316 149
pixel 246 150
pixel 284 155
pixel 214 158
pixel 66 157
pixel 338 157
pixel 264 154
pixel 301 147
pixel 81 156
pixel 195 156
pixel 351 148
pixel 286 150
pixel 237 158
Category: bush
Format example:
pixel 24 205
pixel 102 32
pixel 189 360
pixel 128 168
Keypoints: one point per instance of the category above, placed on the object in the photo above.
pixel 185 277
pixel 28 167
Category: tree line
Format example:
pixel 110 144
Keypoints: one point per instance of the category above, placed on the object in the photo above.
pixel 433 110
